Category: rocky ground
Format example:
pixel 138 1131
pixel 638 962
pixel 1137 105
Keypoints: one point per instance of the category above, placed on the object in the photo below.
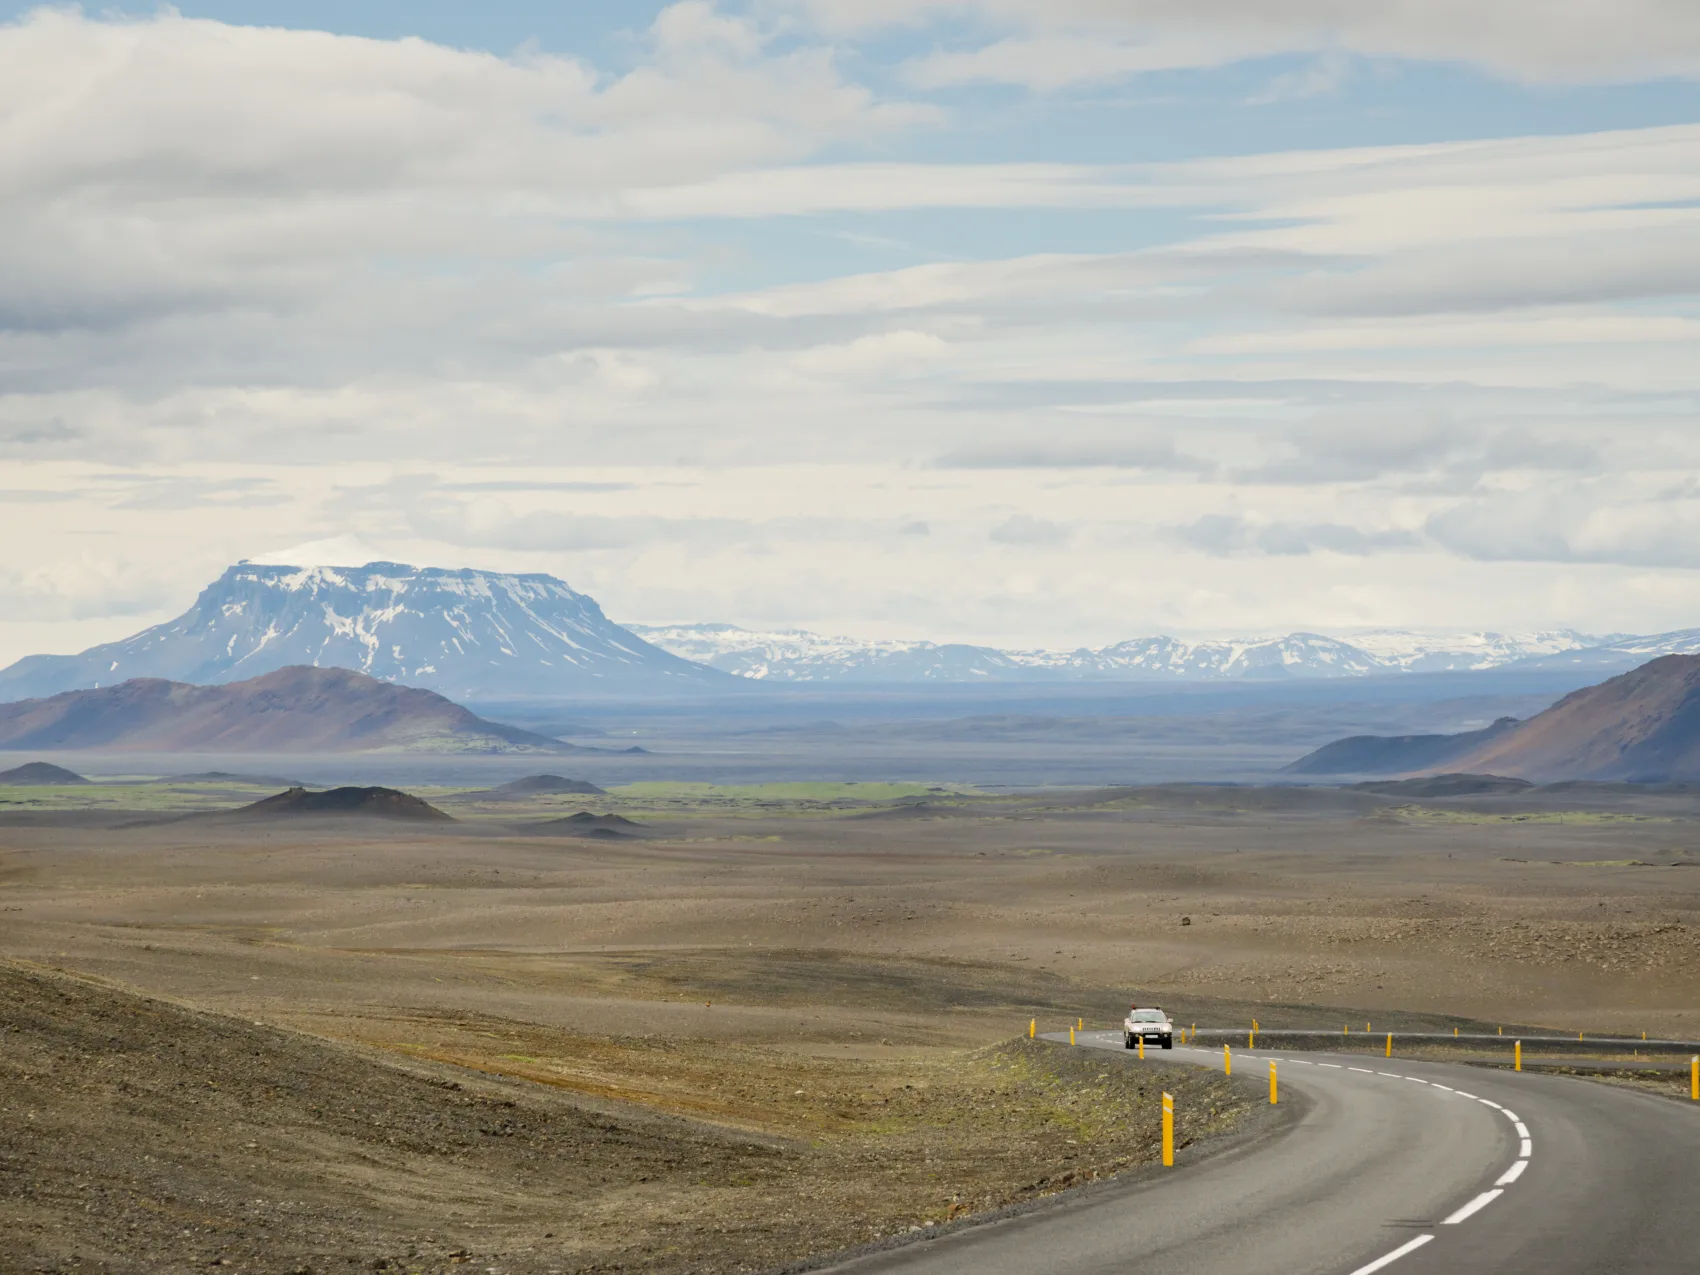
pixel 145 1136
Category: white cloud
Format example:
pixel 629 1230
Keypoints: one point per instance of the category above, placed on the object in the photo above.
pixel 1062 41
pixel 89 586
pixel 1598 521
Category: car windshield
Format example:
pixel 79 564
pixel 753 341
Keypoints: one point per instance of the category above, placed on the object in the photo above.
pixel 1147 1016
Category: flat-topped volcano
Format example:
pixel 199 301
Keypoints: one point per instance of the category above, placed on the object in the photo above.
pixel 465 633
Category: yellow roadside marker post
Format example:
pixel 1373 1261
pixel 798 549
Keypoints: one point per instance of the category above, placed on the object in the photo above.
pixel 1142 1045
pixel 1251 1039
pixel 1273 1098
pixel 1032 1028
pixel 1366 1027
pixel 1694 1078
pixel 1081 1024
pixel 1390 1044
pixel 1227 1062
pixel 1346 1030
pixel 1517 1056
pixel 1168 1131
pixel 1454 1031
pixel 1502 1031
pixel 1071 1035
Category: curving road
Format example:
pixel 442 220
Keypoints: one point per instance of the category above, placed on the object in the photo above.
pixel 1409 1167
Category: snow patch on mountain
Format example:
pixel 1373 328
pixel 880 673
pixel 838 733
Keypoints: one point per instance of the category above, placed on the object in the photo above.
pixel 463 633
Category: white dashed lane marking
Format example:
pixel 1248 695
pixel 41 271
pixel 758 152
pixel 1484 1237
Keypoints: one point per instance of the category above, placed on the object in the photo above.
pixel 1389 1258
pixel 1512 1174
pixel 1459 1215
pixel 1474 1206
pixel 1481 1201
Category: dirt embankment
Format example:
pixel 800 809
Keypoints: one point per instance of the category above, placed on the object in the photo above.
pixel 142 1136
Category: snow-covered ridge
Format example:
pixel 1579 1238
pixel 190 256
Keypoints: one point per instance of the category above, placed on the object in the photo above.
pixel 465 633
pixel 797 655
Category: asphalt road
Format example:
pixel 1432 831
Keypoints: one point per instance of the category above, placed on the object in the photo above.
pixel 1408 1167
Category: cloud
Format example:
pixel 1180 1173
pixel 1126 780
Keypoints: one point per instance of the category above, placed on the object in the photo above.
pixel 1601 521
pixel 1056 42
pixel 1028 531
pixel 89 586
pixel 1059 448
pixel 1225 535
pixel 178 167
pixel 1327 74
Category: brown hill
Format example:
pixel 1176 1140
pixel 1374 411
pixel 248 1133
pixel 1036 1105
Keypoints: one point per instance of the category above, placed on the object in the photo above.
pixel 295 710
pixel 1448 785
pixel 1641 726
pixel 380 803
pixel 585 824
pixel 1395 754
pixel 40 773
pixel 538 785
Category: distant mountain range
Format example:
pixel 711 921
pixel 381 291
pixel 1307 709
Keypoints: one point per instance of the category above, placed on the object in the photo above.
pixel 1639 727
pixel 481 635
pixel 292 710
pixel 795 655
pixel 468 634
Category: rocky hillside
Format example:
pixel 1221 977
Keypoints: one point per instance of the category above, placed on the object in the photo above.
pixel 1639 727
pixel 294 710
pixel 1643 725
pixel 468 634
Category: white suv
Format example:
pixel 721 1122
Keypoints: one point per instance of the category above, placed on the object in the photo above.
pixel 1150 1022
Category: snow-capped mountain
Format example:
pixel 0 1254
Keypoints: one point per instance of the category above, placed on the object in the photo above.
pixel 1450 652
pixel 1620 651
pixel 795 655
pixel 466 634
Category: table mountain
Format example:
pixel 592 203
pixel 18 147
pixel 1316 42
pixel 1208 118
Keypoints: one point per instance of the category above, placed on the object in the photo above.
pixel 469 634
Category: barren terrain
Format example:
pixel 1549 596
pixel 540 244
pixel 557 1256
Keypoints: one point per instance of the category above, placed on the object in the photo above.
pixel 760 1025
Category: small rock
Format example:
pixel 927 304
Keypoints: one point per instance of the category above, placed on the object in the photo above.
pixel 1186 920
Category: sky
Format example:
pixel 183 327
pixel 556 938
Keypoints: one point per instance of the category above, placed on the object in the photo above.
pixel 1029 323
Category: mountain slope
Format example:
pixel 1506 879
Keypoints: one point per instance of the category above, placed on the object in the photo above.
pixel 1642 725
pixel 296 710
pixel 464 633
pixel 1395 754
pixel 795 655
